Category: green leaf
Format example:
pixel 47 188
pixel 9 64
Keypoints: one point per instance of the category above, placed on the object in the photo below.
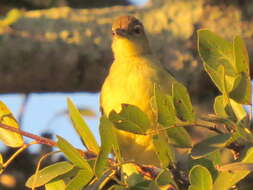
pixel 210 145
pixel 130 119
pixel 216 51
pixel 218 57
pixel 144 185
pixel 200 178
pixel 82 128
pixel 165 108
pixel 217 76
pixel 48 173
pixel 115 145
pixel 236 166
pixel 167 117
pixel 179 137
pixel 205 162
pixel 153 186
pixel 241 55
pixel 229 109
pixel 244 131
pixel 55 185
pixel 165 152
pixel 242 89
pixel 106 130
pixel 73 155
pixel 81 179
pixel 182 102
pixel 165 180
pixel 9 138
pixel 227 179
pixel 219 106
pixel 233 108
pixel 215 157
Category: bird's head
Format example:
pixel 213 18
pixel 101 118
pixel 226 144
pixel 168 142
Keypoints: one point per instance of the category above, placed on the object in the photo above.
pixel 129 38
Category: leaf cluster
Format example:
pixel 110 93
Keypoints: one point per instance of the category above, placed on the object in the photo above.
pixel 227 64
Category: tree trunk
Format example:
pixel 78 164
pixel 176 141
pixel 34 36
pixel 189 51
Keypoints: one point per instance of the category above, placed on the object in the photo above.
pixel 68 50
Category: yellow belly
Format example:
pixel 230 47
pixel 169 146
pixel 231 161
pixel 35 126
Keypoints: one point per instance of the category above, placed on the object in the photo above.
pixel 133 85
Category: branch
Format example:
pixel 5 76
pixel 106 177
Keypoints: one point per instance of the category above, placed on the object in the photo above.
pixel 42 140
pixel 68 50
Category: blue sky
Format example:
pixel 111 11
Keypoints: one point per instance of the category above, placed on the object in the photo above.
pixel 41 109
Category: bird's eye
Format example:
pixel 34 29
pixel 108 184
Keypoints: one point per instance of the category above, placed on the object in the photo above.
pixel 113 33
pixel 137 29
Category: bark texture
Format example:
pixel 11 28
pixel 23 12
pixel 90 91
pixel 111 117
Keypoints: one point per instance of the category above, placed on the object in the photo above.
pixel 68 50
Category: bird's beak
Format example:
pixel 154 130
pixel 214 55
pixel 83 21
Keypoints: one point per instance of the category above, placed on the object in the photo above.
pixel 120 32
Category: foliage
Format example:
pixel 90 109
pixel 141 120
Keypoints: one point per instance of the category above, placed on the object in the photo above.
pixel 227 64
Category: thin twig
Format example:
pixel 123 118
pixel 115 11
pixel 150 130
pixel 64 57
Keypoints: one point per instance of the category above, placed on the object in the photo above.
pixel 39 139
pixel 195 124
pixel 42 140
pixel 25 146
pixel 38 167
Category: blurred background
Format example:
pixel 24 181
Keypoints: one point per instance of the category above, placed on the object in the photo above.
pixel 54 49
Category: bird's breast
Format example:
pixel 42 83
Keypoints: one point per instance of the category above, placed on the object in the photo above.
pixel 128 83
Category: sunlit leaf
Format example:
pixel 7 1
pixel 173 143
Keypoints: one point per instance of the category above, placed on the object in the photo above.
pixel 165 180
pixel 210 145
pixel 130 119
pixel 9 138
pixel 244 131
pixel 165 152
pixel 241 55
pixel 106 135
pixel 218 58
pixel 242 89
pixel 235 109
pixel 167 117
pixel 236 166
pixel 73 155
pixel 205 162
pixel 82 128
pixel 215 157
pixel 131 174
pixel 217 76
pixel 227 179
pixel 200 178
pixel 141 186
pixel 81 179
pixel 182 102
pixel 229 109
pixel 165 108
pixel 179 137
pixel 55 185
pixel 219 106
pixel 48 173
pixel 115 146
pixel 216 51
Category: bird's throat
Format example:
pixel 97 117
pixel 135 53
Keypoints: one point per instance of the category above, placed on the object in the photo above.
pixel 123 48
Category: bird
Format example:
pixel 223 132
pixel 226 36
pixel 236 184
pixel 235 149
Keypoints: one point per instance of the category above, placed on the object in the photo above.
pixel 131 79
